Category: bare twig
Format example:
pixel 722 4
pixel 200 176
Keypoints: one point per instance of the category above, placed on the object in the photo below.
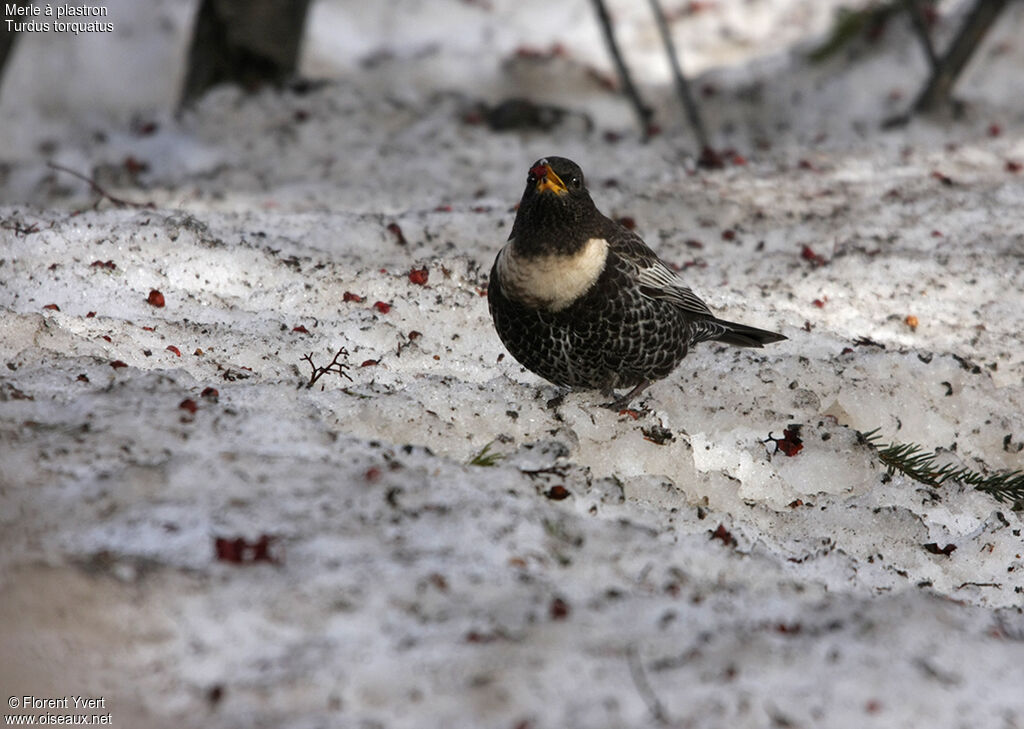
pixel 18 227
pixel 643 112
pixel 120 202
pixel 335 366
pixel 937 91
pixel 682 86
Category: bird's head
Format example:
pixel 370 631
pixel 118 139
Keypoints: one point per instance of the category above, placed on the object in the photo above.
pixel 556 214
pixel 555 178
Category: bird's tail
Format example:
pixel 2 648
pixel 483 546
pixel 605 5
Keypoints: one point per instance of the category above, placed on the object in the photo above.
pixel 739 335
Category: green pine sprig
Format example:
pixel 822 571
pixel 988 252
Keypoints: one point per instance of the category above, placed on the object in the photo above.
pixel 915 462
pixel 486 457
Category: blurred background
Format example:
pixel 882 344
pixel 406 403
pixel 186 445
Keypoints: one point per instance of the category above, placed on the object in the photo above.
pixel 764 73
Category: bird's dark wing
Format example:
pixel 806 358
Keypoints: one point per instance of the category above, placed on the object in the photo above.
pixel 654 278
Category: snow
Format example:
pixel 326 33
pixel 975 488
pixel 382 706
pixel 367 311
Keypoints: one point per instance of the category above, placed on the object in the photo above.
pixel 709 575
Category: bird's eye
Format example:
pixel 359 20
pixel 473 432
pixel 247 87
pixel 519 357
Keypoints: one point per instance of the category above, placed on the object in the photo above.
pixel 531 179
pixel 576 182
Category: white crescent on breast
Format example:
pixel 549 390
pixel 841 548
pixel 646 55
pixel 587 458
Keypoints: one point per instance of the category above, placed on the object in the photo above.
pixel 553 281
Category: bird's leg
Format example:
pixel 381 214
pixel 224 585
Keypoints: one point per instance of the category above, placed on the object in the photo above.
pixel 624 401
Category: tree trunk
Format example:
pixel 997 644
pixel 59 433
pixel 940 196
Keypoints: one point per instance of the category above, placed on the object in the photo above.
pixel 246 42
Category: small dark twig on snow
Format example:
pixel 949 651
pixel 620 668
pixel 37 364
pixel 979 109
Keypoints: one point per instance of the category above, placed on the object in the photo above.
pixel 335 366
pixel 18 227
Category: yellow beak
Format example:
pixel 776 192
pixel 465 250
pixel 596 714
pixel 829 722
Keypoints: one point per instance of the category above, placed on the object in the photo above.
pixel 551 182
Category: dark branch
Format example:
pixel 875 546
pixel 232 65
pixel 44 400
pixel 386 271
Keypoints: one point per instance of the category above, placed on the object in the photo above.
pixel 682 86
pixel 643 112
pixel 921 28
pixel 939 88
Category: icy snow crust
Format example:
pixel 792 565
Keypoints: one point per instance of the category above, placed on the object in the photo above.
pixel 709 575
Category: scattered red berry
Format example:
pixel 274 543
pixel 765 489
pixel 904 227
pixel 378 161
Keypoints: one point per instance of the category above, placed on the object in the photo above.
pixel 559 609
pixel 155 298
pixel 382 307
pixel 1013 166
pixel 396 230
pixel 117 364
pixel 369 363
pixel 729 234
pixel 52 307
pixel 994 130
pixel 90 315
pixel 109 265
pixel 439 581
pixel 239 551
pixel 300 329
pixel 807 253
pixel 134 166
pixel 790 443
pixel 723 535
pixel 349 296
pixel 710 159
pixel 210 393
pixel 188 404
pixel 145 128
pixel 172 348
pixel 557 493
pixel 419 276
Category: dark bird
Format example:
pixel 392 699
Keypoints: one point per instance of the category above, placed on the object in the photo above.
pixel 583 302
